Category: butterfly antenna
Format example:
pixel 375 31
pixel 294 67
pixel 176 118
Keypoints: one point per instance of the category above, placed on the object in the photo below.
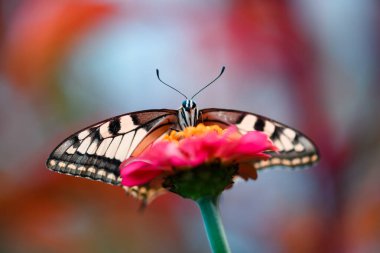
pixel 158 76
pixel 221 72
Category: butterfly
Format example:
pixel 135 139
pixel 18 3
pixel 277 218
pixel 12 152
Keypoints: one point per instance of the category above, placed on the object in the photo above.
pixel 97 151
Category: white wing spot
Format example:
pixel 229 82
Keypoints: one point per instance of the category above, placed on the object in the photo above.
pixel 286 162
pixel 122 151
pixel 140 134
pixel 71 150
pixel 305 159
pixel 103 147
pixel 111 151
pixel 264 163
pixel 289 133
pixel 247 123
pixel 278 144
pixel 299 148
pixel 101 173
pixel 269 128
pixel 91 170
pixel 111 176
pixel 92 149
pixel 53 162
pixel 83 134
pixel 276 161
pixel 286 143
pixel 103 130
pixel 126 124
pixel 72 166
pixel 296 161
pixel 84 146
pixel 314 158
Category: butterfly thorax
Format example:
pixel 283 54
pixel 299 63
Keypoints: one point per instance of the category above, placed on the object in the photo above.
pixel 188 114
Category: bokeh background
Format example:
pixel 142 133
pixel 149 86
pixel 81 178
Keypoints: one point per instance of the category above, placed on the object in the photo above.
pixel 311 64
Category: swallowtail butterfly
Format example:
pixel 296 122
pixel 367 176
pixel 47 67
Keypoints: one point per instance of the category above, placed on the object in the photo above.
pixel 97 151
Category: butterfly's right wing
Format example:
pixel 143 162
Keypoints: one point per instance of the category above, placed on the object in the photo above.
pixel 295 149
pixel 97 151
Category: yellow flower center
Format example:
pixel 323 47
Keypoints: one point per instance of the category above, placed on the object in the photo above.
pixel 198 130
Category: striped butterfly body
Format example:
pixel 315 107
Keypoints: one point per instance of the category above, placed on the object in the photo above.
pixel 97 151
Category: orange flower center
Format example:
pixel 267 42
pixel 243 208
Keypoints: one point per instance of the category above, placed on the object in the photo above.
pixel 199 130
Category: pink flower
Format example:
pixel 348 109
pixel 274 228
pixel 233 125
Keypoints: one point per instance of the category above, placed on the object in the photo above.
pixel 194 147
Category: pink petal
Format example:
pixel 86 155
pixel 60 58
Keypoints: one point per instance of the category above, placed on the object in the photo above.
pixel 249 147
pixel 159 152
pixel 212 145
pixel 254 142
pixel 192 151
pixel 230 131
pixel 138 172
pixel 164 154
pixel 175 157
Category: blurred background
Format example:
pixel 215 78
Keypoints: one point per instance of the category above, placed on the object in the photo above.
pixel 313 65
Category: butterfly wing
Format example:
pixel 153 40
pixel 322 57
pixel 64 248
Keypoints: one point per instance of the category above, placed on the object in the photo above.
pixel 97 151
pixel 295 149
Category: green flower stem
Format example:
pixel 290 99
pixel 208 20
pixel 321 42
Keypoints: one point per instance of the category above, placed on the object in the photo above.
pixel 213 224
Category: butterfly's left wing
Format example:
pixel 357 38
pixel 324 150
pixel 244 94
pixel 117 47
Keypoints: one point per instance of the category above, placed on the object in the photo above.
pixel 97 151
pixel 295 149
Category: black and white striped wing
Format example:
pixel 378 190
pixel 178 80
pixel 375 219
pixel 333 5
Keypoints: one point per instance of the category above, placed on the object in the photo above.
pixel 295 149
pixel 96 152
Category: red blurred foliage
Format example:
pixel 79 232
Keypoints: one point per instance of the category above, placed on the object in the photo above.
pixel 1 22
pixel 305 234
pixel 264 34
pixel 364 228
pixel 41 32
pixel 59 213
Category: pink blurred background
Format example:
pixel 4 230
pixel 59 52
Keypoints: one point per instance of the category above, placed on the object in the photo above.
pixel 311 64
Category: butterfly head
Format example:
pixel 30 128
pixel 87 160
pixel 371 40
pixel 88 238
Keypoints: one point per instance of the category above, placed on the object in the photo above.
pixel 188 114
pixel 188 105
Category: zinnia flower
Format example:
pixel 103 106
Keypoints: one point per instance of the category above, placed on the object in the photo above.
pixel 198 161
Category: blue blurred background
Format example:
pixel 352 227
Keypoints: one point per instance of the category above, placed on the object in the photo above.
pixel 310 64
